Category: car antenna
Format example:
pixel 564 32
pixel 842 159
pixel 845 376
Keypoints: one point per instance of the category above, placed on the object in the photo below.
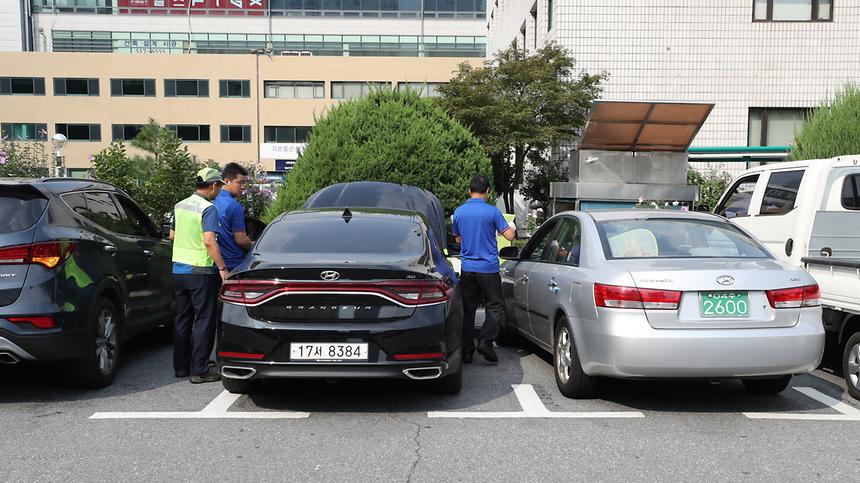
pixel 347 215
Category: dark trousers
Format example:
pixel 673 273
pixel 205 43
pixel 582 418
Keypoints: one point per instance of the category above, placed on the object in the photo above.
pixel 194 329
pixel 475 286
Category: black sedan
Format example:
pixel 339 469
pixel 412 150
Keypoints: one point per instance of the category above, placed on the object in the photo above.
pixel 343 293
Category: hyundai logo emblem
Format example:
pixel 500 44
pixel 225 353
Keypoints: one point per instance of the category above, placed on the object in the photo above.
pixel 725 280
pixel 329 275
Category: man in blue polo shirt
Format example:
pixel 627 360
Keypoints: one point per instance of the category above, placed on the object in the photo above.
pixel 476 223
pixel 232 239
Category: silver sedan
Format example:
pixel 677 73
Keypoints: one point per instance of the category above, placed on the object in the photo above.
pixel 660 294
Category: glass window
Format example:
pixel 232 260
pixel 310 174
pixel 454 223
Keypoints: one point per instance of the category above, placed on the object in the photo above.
pixel 549 15
pixel 351 90
pixel 191 132
pixel 535 248
pixel 781 192
pixel 33 86
pixel 294 89
pixel 236 134
pixel 25 131
pixel 235 88
pixel 80 132
pixel 186 88
pixel 738 201
pixel 286 134
pixel 371 235
pixel 102 211
pixel 138 224
pixel 676 238
pixel 20 208
pixel 565 244
pixel 75 87
pixel 793 10
pixel 76 202
pixel 132 87
pixel 775 126
pixel 125 132
pixel 851 192
pixel 425 89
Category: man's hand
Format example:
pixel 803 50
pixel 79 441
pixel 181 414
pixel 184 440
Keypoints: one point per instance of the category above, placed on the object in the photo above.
pixel 223 273
pixel 242 240
pixel 510 234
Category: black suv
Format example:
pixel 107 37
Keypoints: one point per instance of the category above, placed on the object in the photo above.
pixel 82 269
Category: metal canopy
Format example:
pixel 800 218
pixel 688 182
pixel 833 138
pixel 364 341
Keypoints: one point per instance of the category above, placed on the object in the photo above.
pixel 643 126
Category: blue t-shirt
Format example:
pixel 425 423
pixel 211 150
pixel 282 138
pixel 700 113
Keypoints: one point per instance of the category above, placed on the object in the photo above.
pixel 476 222
pixel 210 223
pixel 232 217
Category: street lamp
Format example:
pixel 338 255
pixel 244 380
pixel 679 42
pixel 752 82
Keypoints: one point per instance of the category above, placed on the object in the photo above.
pixel 59 143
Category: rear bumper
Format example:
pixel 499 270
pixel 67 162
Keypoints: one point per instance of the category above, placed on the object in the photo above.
pixel 233 369
pixel 55 346
pixel 626 346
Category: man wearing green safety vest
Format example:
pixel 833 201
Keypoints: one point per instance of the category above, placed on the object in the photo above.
pixel 198 270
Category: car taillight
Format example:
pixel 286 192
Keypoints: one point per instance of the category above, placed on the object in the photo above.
pixel 48 254
pixel 613 296
pixel 408 292
pixel 39 321
pixel 795 297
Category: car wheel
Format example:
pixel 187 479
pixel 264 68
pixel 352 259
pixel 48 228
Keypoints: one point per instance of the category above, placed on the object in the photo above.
pixel 450 384
pixel 773 385
pixel 99 366
pixel 851 365
pixel 569 376
pixel 240 386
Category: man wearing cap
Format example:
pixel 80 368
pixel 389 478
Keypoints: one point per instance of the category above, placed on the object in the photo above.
pixel 198 270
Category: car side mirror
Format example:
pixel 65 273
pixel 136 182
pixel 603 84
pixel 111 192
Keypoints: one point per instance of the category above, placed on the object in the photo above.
pixel 730 214
pixel 509 253
pixel 165 231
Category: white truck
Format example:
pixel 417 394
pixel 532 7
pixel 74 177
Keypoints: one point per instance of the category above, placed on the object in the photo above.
pixel 808 214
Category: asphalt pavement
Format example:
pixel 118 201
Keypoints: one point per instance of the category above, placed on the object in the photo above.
pixel 509 423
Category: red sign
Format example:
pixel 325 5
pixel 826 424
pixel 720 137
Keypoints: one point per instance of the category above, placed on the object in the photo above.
pixel 192 7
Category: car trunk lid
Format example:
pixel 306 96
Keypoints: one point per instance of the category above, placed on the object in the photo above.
pixel 21 206
pixel 742 281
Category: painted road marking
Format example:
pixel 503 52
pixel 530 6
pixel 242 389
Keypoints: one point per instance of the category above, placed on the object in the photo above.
pixel 217 409
pixel 533 407
pixel 846 412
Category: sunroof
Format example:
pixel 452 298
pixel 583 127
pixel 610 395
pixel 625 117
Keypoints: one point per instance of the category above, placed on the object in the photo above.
pixel 643 126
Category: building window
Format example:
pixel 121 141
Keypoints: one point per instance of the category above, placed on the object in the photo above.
pixel 67 86
pixel 548 15
pixel 425 89
pixel 775 126
pixel 24 131
pixel 351 90
pixel 80 132
pixel 33 86
pixel 793 10
pixel 286 134
pixel 191 132
pixel 132 87
pixel 235 134
pixel 234 88
pixel 125 132
pixel 186 88
pixel 294 89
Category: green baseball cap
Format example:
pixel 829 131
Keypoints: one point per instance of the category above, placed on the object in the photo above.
pixel 209 175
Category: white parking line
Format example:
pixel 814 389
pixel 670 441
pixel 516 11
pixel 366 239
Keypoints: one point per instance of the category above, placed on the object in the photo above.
pixel 217 409
pixel 846 412
pixel 533 407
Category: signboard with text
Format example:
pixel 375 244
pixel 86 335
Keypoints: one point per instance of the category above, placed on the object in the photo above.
pixel 288 151
pixel 198 7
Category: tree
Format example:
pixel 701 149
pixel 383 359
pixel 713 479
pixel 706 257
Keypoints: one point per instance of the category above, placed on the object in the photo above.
pixel 711 185
pixel 397 137
pixel 23 159
pixel 832 129
pixel 537 178
pixel 520 106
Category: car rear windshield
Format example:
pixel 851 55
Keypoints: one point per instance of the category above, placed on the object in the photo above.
pixel 364 234
pixel 676 238
pixel 20 208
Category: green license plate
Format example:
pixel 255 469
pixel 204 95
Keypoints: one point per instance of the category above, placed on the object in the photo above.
pixel 724 304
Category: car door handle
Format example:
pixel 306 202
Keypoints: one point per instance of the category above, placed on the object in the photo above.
pixel 110 249
pixel 524 278
pixel 552 283
pixel 148 253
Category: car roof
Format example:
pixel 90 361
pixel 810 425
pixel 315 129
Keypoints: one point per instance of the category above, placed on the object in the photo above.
pixel 837 162
pixel 608 215
pixel 61 185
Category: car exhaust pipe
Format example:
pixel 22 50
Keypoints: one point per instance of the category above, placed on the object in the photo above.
pixel 8 358
pixel 422 373
pixel 234 372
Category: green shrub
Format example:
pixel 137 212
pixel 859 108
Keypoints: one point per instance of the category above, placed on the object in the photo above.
pixel 832 130
pixel 393 136
pixel 24 159
pixel 711 185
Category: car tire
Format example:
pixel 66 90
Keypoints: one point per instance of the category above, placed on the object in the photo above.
pixel 240 386
pixel 450 384
pixel 571 380
pixel 771 385
pixel 851 362
pixel 99 365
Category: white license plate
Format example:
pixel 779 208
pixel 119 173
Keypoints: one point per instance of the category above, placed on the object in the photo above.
pixel 327 352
